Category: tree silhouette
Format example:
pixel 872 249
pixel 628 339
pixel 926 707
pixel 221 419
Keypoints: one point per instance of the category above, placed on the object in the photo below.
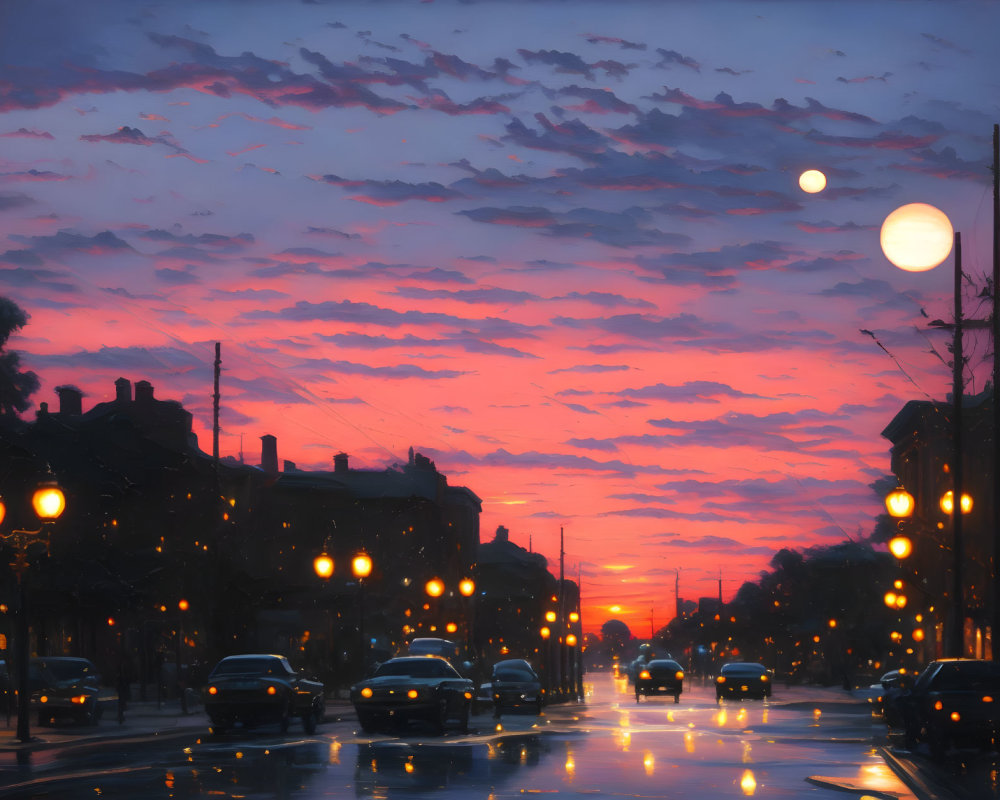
pixel 16 386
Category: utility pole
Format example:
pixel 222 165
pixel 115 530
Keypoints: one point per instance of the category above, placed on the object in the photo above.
pixel 215 405
pixel 957 645
pixel 995 628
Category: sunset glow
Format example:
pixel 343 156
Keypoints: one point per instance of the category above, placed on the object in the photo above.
pixel 558 249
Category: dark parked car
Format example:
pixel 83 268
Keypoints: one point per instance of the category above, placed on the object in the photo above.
pixel 515 684
pixel 660 676
pixel 413 688
pixel 65 688
pixel 954 701
pixel 742 679
pixel 256 689
pixel 447 649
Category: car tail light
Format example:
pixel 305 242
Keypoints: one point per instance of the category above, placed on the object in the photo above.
pixel 955 716
pixel 213 690
pixel 938 705
pixel 79 699
pixel 43 699
pixel 721 679
pixel 271 690
pixel 412 694
pixel 468 695
pixel 366 692
pixel 679 675
pixel 987 698
pixel 644 674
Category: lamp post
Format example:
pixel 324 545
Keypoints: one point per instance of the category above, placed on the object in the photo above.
pixel 915 238
pixel 48 502
pixel 361 568
pixel 467 588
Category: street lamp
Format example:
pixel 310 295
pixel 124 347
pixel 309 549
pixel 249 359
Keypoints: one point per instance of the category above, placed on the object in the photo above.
pixel 918 237
pixel 361 568
pixel 48 503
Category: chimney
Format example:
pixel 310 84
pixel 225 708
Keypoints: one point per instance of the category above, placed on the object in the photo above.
pixel 340 464
pixel 269 454
pixel 143 392
pixel 502 534
pixel 70 400
pixel 123 390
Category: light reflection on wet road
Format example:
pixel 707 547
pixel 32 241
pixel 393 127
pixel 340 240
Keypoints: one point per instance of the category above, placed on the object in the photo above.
pixel 611 747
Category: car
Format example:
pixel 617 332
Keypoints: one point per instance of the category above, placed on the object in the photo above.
pixel 64 688
pixel 447 649
pixel 743 679
pixel 953 702
pixel 881 696
pixel 408 688
pixel 515 684
pixel 660 676
pixel 262 688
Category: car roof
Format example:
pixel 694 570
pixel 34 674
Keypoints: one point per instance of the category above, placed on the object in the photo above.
pixel 512 662
pixel 242 656
pixel 737 665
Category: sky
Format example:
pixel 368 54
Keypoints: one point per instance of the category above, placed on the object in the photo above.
pixel 557 247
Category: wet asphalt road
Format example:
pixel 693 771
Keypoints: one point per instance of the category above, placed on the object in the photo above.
pixel 802 743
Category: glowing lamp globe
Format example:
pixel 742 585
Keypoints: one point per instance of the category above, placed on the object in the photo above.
pixel 899 503
pixel 434 587
pixel 900 546
pixel 323 565
pixel 812 181
pixel 948 502
pixel 466 587
pixel 361 565
pixel 48 501
pixel 917 237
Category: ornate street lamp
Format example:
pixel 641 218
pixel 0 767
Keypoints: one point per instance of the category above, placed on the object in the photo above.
pixel 48 503
pixel 361 568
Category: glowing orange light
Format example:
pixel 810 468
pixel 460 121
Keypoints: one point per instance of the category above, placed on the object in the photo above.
pixel 900 546
pixel 48 501
pixel 434 587
pixel 899 503
pixel 361 565
pixel 466 587
pixel 323 565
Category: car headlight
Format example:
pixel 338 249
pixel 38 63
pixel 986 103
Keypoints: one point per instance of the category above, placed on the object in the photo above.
pixel 213 690
pixel 272 690
pixel 413 694
pixel 43 699
pixel 79 699
pixel 644 674
pixel 679 675
pixel 763 678
pixel 721 679
pixel 366 692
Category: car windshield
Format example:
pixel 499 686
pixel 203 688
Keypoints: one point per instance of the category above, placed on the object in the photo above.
pixel 970 676
pixel 417 668
pixel 249 666
pixel 743 669
pixel 672 666
pixel 514 674
pixel 66 670
pixel 432 647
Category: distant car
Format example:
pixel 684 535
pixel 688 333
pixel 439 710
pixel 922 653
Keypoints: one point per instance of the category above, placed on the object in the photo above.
pixel 880 696
pixel 410 688
pixel 742 679
pixel 515 684
pixel 445 648
pixel 262 688
pixel 954 701
pixel 660 676
pixel 65 688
